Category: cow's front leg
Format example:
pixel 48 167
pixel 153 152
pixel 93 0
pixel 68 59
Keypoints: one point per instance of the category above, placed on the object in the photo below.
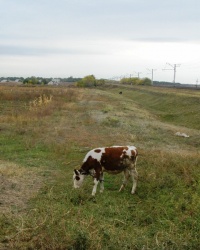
pixel 97 176
pixel 95 186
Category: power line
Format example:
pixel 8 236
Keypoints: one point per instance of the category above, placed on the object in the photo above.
pixel 174 66
pixel 191 64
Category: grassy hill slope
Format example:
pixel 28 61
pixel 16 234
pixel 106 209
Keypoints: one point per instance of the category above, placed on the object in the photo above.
pixel 45 133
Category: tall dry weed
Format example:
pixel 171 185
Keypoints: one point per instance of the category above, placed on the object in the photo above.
pixel 40 102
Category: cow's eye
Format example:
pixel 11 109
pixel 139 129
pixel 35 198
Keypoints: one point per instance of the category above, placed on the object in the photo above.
pixel 77 178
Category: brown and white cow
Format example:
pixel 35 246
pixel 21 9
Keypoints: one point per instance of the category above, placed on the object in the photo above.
pixel 112 160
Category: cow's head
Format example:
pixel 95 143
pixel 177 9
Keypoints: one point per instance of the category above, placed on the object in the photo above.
pixel 78 178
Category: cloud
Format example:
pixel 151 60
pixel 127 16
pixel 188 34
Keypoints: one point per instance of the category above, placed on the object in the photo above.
pixel 54 47
pixel 104 37
pixel 64 19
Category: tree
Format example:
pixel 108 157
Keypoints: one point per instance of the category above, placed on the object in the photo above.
pixel 35 80
pixel 87 81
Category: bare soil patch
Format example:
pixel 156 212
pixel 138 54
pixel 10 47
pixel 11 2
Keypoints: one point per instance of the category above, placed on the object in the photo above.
pixel 17 185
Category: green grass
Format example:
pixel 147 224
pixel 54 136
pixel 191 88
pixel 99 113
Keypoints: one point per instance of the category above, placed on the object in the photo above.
pixel 163 214
pixel 180 107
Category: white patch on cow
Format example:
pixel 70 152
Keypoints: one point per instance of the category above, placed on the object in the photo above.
pixel 130 148
pixel 95 155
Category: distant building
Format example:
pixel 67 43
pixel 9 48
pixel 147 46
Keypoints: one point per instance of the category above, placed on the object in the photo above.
pixel 54 81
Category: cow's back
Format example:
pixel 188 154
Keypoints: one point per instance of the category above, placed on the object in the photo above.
pixel 118 158
pixel 115 158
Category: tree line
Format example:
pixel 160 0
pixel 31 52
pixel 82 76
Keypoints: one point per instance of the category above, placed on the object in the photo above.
pixel 37 80
pixel 90 81
pixel 87 81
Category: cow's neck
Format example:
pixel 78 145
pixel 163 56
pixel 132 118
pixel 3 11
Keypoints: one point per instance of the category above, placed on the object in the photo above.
pixel 85 167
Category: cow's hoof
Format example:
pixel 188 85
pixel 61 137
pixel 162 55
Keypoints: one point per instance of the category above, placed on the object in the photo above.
pixel 93 199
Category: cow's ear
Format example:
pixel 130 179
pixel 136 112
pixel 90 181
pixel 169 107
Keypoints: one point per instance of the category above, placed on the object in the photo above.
pixel 76 172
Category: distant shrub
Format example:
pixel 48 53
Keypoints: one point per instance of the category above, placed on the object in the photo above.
pixel 136 81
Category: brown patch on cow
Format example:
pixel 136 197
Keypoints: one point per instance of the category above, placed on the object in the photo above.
pixel 97 150
pixel 90 163
pixel 133 155
pixel 111 159
pixel 133 152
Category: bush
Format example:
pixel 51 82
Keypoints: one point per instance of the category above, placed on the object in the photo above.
pixel 90 81
pixel 135 81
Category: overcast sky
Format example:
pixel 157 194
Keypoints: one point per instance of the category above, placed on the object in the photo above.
pixel 106 38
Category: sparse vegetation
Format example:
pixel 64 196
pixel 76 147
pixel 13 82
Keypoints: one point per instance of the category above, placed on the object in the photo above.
pixel 41 146
pixel 39 102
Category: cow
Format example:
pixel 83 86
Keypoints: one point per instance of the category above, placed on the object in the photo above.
pixel 112 160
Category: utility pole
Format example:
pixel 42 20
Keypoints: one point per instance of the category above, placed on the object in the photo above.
pixel 151 70
pixel 130 79
pixel 138 73
pixel 174 69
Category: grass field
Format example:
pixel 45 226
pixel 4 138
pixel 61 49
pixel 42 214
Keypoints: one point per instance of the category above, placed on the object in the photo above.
pixel 45 133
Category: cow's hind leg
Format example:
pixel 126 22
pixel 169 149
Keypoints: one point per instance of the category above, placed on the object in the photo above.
pixel 134 175
pixel 101 183
pixel 126 177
